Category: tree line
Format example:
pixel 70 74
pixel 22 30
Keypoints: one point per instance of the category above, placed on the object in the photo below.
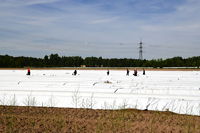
pixel 54 60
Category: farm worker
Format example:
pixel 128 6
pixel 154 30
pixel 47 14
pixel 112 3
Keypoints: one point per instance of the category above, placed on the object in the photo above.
pixel 108 72
pixel 75 72
pixel 127 72
pixel 143 71
pixel 135 72
pixel 28 72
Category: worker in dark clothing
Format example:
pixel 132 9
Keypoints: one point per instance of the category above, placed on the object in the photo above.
pixel 108 72
pixel 74 73
pixel 143 72
pixel 135 72
pixel 28 72
pixel 127 72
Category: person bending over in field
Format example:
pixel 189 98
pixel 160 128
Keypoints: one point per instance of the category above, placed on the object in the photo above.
pixel 74 73
pixel 135 72
pixel 108 72
pixel 28 72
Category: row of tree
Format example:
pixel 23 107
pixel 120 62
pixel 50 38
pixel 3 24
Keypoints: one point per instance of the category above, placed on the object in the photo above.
pixel 54 60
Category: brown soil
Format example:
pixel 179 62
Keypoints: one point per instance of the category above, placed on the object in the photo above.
pixel 67 120
pixel 106 68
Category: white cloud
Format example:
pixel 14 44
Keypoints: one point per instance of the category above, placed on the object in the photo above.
pixel 16 3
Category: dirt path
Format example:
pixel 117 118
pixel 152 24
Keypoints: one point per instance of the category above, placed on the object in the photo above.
pixel 106 68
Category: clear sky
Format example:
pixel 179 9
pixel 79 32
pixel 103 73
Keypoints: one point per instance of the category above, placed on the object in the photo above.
pixel 107 28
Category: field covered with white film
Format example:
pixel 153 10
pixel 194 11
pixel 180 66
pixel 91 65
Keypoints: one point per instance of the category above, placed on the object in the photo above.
pixel 175 91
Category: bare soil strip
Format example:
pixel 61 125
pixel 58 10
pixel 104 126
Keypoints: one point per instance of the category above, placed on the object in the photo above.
pixel 106 68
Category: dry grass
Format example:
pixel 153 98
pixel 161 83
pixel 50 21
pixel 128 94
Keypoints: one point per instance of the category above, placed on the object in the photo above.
pixel 41 119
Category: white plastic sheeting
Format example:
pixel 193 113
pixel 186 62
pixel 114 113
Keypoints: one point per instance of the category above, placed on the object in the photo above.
pixel 176 91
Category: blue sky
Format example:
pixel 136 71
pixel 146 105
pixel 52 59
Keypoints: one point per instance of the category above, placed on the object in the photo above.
pixel 107 28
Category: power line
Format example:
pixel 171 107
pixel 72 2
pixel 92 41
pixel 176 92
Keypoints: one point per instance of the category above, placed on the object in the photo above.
pixel 140 51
